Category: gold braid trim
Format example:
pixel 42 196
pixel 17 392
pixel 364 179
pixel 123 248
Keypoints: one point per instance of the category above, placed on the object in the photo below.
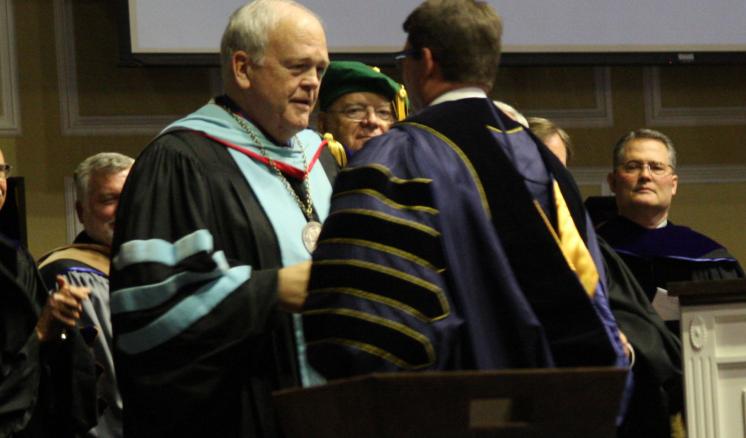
pixel 406 255
pixel 393 325
pixel 388 201
pixel 389 174
pixel 372 296
pixel 465 160
pixel 390 218
pixel 384 270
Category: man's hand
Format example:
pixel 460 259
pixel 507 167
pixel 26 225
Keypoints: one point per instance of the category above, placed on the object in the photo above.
pixel 63 308
pixel 292 286
pixel 625 343
pixel 629 351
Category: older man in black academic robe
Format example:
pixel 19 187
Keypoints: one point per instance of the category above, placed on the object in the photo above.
pixel 212 240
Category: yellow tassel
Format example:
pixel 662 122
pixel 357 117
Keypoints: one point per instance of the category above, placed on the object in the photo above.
pixel 678 429
pixel 336 149
pixel 400 103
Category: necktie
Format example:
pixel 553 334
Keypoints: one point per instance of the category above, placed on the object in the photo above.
pixel 572 245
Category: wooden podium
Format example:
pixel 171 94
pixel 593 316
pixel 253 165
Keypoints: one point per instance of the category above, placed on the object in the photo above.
pixel 577 402
pixel 713 337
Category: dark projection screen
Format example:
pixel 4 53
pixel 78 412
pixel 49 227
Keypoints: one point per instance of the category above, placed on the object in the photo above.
pixel 569 31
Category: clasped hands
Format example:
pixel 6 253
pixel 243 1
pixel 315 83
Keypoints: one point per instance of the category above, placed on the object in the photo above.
pixel 62 309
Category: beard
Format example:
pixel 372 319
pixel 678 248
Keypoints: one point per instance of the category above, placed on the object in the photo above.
pixel 102 233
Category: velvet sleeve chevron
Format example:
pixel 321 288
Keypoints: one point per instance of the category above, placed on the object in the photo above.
pixel 377 295
pixel 177 277
pixel 194 265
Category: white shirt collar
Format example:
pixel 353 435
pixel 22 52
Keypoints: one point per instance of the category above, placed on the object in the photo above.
pixel 458 94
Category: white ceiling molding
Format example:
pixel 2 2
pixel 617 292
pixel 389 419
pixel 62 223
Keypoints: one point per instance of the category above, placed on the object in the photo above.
pixel 657 115
pixel 72 122
pixel 598 116
pixel 10 111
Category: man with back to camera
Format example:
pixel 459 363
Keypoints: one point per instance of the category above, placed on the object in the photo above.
pixel 98 183
pixel 356 103
pixel 442 248
pixel 214 232
pixel 644 182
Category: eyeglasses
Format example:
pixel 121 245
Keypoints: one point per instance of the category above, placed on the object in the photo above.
pixel 637 167
pixel 399 56
pixel 5 170
pixel 357 113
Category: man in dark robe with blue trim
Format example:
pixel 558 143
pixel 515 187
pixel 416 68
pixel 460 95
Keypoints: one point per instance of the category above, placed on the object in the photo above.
pixel 456 240
pixel 213 236
pixel 657 251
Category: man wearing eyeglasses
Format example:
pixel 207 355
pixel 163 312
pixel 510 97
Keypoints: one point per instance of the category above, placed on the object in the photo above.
pixel 644 182
pixel 357 102
pixel 213 238
pixel 441 251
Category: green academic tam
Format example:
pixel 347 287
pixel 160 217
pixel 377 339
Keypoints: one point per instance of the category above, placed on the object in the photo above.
pixel 343 77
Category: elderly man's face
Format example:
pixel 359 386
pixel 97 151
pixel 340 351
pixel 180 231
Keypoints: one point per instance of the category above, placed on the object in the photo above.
pixel 98 210
pixel 357 117
pixel 285 85
pixel 638 189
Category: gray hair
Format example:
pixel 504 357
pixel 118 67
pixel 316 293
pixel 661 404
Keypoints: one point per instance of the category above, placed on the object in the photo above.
pixel 249 28
pixel 643 133
pixel 104 162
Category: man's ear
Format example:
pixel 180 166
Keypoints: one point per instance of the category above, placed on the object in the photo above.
pixel 241 66
pixel 611 181
pixel 429 65
pixel 675 184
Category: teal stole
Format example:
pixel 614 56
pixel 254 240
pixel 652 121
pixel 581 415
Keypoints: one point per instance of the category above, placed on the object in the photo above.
pixel 280 206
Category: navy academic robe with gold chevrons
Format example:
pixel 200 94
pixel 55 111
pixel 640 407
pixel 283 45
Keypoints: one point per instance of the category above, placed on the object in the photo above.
pixel 434 257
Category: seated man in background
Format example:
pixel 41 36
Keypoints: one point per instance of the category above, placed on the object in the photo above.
pixel 554 137
pixel 98 183
pixel 644 182
pixel 357 102
pixel 47 377
pixel 658 390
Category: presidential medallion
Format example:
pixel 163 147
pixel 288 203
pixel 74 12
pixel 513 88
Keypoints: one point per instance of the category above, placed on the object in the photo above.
pixel 310 235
